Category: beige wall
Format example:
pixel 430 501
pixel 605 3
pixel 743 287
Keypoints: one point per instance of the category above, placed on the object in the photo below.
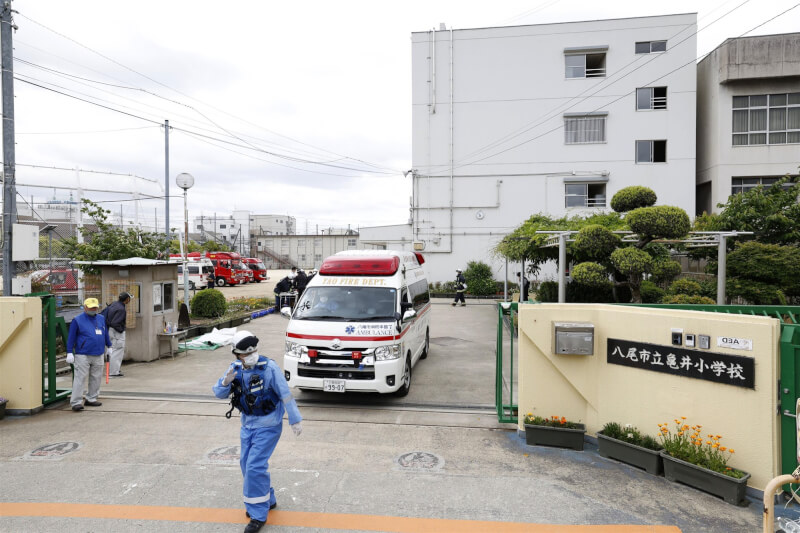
pixel 588 389
pixel 21 353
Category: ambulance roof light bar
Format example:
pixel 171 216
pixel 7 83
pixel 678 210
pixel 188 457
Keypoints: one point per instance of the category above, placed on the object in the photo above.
pixel 359 266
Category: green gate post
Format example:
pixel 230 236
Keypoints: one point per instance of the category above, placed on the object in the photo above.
pixel 52 326
pixel 506 412
pixel 789 387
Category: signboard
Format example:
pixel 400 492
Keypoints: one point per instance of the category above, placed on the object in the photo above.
pixel 735 343
pixel 708 366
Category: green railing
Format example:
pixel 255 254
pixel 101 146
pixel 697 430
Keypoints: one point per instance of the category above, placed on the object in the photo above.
pixel 506 408
pixel 52 326
pixel 789 376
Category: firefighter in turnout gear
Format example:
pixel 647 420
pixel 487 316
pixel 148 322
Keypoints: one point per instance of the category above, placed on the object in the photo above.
pixel 259 391
pixel 461 286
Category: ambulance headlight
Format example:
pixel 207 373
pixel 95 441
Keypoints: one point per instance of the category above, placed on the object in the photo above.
pixel 386 353
pixel 295 350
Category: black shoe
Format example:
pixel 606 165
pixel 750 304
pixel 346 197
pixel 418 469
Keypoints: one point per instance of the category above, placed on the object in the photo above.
pixel 77 408
pixel 254 526
pixel 271 507
pixel 117 375
pixel 93 404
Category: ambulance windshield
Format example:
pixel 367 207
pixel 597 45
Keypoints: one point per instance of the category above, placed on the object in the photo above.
pixel 347 303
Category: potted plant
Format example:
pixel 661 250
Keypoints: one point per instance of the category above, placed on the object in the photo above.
pixel 553 431
pixel 3 403
pixel 701 461
pixel 627 444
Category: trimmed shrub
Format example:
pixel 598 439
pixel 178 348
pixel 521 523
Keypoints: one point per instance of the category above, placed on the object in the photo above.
pixel 590 274
pixel 633 197
pixel 480 280
pixel 594 243
pixel 651 293
pixel 632 262
pixel 547 292
pixel 662 221
pixel 209 303
pixel 685 286
pixel 686 299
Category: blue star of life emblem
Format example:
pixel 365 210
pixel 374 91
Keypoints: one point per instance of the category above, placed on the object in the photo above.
pixel 350 330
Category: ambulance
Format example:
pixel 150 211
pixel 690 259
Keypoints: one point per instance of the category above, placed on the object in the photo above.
pixel 362 324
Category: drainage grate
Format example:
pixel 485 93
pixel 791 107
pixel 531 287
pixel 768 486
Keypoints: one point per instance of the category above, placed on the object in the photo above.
pixel 446 341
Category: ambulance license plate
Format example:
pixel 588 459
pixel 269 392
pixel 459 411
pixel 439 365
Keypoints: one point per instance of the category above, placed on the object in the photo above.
pixel 333 385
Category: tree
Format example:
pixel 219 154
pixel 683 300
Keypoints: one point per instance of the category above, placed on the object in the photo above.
pixel 104 241
pixel 628 265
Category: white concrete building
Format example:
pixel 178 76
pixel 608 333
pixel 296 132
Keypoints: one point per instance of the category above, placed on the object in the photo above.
pixel 305 251
pixel 272 225
pixel 748 116
pixel 553 118
pixel 232 230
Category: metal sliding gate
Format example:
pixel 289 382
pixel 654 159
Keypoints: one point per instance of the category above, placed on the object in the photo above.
pixel 52 327
pixel 505 370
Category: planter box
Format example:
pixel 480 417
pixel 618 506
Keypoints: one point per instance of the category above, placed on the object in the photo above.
pixel 644 458
pixel 3 410
pixel 561 437
pixel 728 488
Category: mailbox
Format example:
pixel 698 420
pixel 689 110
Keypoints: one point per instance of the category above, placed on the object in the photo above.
pixel 575 338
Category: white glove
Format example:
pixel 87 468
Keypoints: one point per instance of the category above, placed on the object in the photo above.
pixel 229 376
pixel 70 358
pixel 297 428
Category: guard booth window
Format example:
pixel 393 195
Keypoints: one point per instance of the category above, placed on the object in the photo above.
pixel 163 297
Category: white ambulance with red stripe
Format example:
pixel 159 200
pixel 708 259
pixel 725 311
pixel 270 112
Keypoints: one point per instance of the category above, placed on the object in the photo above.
pixel 361 324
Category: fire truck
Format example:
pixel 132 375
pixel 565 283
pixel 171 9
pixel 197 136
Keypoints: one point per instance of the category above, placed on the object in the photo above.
pixel 228 268
pixel 256 267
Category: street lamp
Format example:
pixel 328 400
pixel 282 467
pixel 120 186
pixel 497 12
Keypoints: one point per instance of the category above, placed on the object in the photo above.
pixel 185 182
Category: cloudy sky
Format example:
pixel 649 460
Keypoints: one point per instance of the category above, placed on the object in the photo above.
pixel 299 108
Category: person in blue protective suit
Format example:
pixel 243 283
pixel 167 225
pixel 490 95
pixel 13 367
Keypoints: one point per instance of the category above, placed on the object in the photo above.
pixel 259 391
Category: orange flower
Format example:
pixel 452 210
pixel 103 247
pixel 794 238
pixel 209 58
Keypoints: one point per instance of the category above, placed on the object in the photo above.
pixel 715 445
pixel 723 448
pixel 686 427
pixel 680 433
pixel 699 426
pixel 731 450
pixel 683 418
pixel 708 442
pixel 719 436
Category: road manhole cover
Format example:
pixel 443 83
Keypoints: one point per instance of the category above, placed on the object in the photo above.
pixel 225 455
pixel 419 462
pixel 51 452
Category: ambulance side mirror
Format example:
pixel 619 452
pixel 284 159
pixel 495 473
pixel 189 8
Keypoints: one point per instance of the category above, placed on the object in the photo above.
pixel 286 312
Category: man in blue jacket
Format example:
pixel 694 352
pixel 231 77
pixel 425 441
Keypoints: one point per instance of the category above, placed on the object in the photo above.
pixel 261 394
pixel 87 343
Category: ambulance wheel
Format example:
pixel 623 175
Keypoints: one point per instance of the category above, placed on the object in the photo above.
pixel 191 285
pixel 220 282
pixel 427 345
pixel 405 383
pixel 258 281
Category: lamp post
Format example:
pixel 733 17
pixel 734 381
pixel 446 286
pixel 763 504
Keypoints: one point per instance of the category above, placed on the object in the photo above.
pixel 185 182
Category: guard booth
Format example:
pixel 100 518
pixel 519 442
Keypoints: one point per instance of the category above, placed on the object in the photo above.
pixel 154 286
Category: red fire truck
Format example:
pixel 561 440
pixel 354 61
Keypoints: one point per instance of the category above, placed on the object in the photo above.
pixel 256 267
pixel 228 268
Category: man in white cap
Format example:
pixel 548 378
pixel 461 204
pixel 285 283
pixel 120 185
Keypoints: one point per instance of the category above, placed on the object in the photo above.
pixel 87 343
pixel 261 394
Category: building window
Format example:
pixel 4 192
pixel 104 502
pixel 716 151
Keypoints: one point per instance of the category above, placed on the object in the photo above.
pixel 351 242
pixel 651 47
pixel 749 183
pixel 585 195
pixel 651 98
pixel 252 235
pixel 284 243
pixel 163 296
pixel 766 119
pixel 585 129
pixel 259 244
pixel 317 242
pixel 199 226
pixel 317 258
pixel 651 151
pixel 585 65
pixel 303 258
pixel 301 242
pixel 222 226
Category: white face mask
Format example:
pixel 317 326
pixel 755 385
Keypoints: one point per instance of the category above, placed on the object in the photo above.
pixel 251 360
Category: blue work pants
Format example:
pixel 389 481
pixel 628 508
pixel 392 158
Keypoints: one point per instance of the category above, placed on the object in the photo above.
pixel 257 445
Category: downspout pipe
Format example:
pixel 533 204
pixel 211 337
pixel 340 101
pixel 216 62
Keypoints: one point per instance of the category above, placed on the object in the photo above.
pixel 452 189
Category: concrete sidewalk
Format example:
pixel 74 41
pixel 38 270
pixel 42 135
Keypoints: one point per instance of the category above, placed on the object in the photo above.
pixel 159 455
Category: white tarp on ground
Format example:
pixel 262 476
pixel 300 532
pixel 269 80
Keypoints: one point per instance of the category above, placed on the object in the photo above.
pixel 210 341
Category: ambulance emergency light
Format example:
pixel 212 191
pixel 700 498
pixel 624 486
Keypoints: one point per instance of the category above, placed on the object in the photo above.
pixel 359 266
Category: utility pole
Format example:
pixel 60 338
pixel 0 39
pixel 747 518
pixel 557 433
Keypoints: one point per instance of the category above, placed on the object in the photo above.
pixel 9 163
pixel 166 179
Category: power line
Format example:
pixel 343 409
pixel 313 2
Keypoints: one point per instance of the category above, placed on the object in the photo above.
pixel 81 132
pixel 188 96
